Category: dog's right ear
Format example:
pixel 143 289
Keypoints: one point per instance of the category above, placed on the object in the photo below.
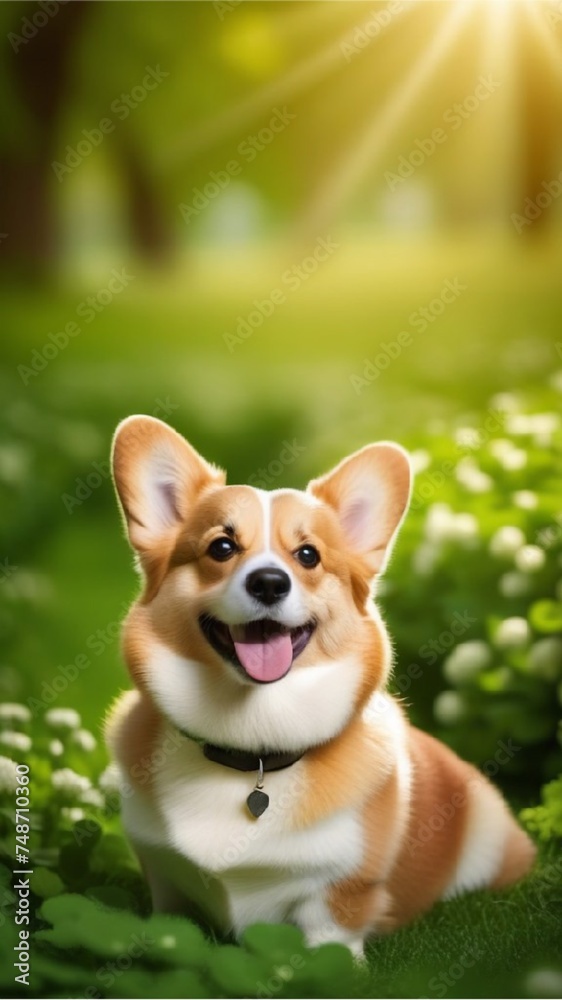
pixel 157 475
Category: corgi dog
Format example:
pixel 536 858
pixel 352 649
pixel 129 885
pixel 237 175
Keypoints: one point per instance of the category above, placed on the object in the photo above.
pixel 266 773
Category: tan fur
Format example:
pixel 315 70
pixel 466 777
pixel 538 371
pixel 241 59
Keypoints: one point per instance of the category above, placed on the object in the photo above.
pixel 364 899
pixel 424 868
pixel 342 773
pixel 131 730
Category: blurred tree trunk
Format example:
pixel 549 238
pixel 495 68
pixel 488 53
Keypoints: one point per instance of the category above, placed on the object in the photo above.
pixel 38 71
pixel 149 231
pixel 540 115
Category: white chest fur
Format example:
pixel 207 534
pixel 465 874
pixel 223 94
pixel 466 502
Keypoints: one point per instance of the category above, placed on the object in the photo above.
pixel 264 865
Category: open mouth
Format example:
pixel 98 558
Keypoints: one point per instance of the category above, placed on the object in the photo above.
pixel 263 649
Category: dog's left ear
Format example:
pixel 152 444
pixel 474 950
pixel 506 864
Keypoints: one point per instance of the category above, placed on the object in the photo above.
pixel 369 492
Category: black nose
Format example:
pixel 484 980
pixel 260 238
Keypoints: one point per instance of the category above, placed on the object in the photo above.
pixel 268 585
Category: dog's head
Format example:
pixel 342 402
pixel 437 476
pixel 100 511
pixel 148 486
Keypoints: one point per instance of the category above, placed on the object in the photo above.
pixel 255 586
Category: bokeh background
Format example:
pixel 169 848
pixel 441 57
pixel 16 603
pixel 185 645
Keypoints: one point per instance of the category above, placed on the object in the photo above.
pixel 321 223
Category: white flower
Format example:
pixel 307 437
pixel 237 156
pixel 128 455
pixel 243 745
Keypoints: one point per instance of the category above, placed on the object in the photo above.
pixel 504 401
pixel 442 524
pixel 525 499
pixel 500 447
pixel 438 522
pixel 14 463
pixel 420 460
pixel 471 476
pixel 467 660
pixel 448 707
pixel 19 741
pixel 110 780
pixel 62 718
pixel 544 983
pixel 56 748
pixel 514 584
pixel 467 437
pixel 465 527
pixel 8 775
pixel 425 559
pixel 514 460
pixel 84 739
pixel 32 587
pixel 74 814
pixel 545 658
pixel 547 537
pixel 70 784
pixel 512 633
pixel 11 712
pixel 533 423
pixel 92 797
pixel 506 541
pixel 530 559
pixel 478 482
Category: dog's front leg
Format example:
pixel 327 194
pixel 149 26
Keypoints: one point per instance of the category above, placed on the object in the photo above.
pixel 314 917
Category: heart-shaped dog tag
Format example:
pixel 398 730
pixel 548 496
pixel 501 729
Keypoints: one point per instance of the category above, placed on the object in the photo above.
pixel 257 802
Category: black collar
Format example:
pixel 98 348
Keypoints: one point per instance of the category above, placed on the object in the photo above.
pixel 245 760
pixel 242 760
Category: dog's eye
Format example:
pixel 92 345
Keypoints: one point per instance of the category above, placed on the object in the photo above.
pixel 308 556
pixel 222 549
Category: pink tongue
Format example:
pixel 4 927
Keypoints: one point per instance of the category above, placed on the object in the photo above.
pixel 265 658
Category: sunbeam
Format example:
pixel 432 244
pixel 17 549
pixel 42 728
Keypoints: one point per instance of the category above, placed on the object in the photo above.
pixel 345 179
pixel 546 37
pixel 306 73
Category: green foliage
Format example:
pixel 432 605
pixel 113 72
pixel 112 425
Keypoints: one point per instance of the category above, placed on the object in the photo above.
pixel 473 594
pixel 546 819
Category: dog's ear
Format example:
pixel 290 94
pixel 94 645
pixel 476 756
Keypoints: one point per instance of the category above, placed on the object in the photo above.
pixel 369 492
pixel 157 475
